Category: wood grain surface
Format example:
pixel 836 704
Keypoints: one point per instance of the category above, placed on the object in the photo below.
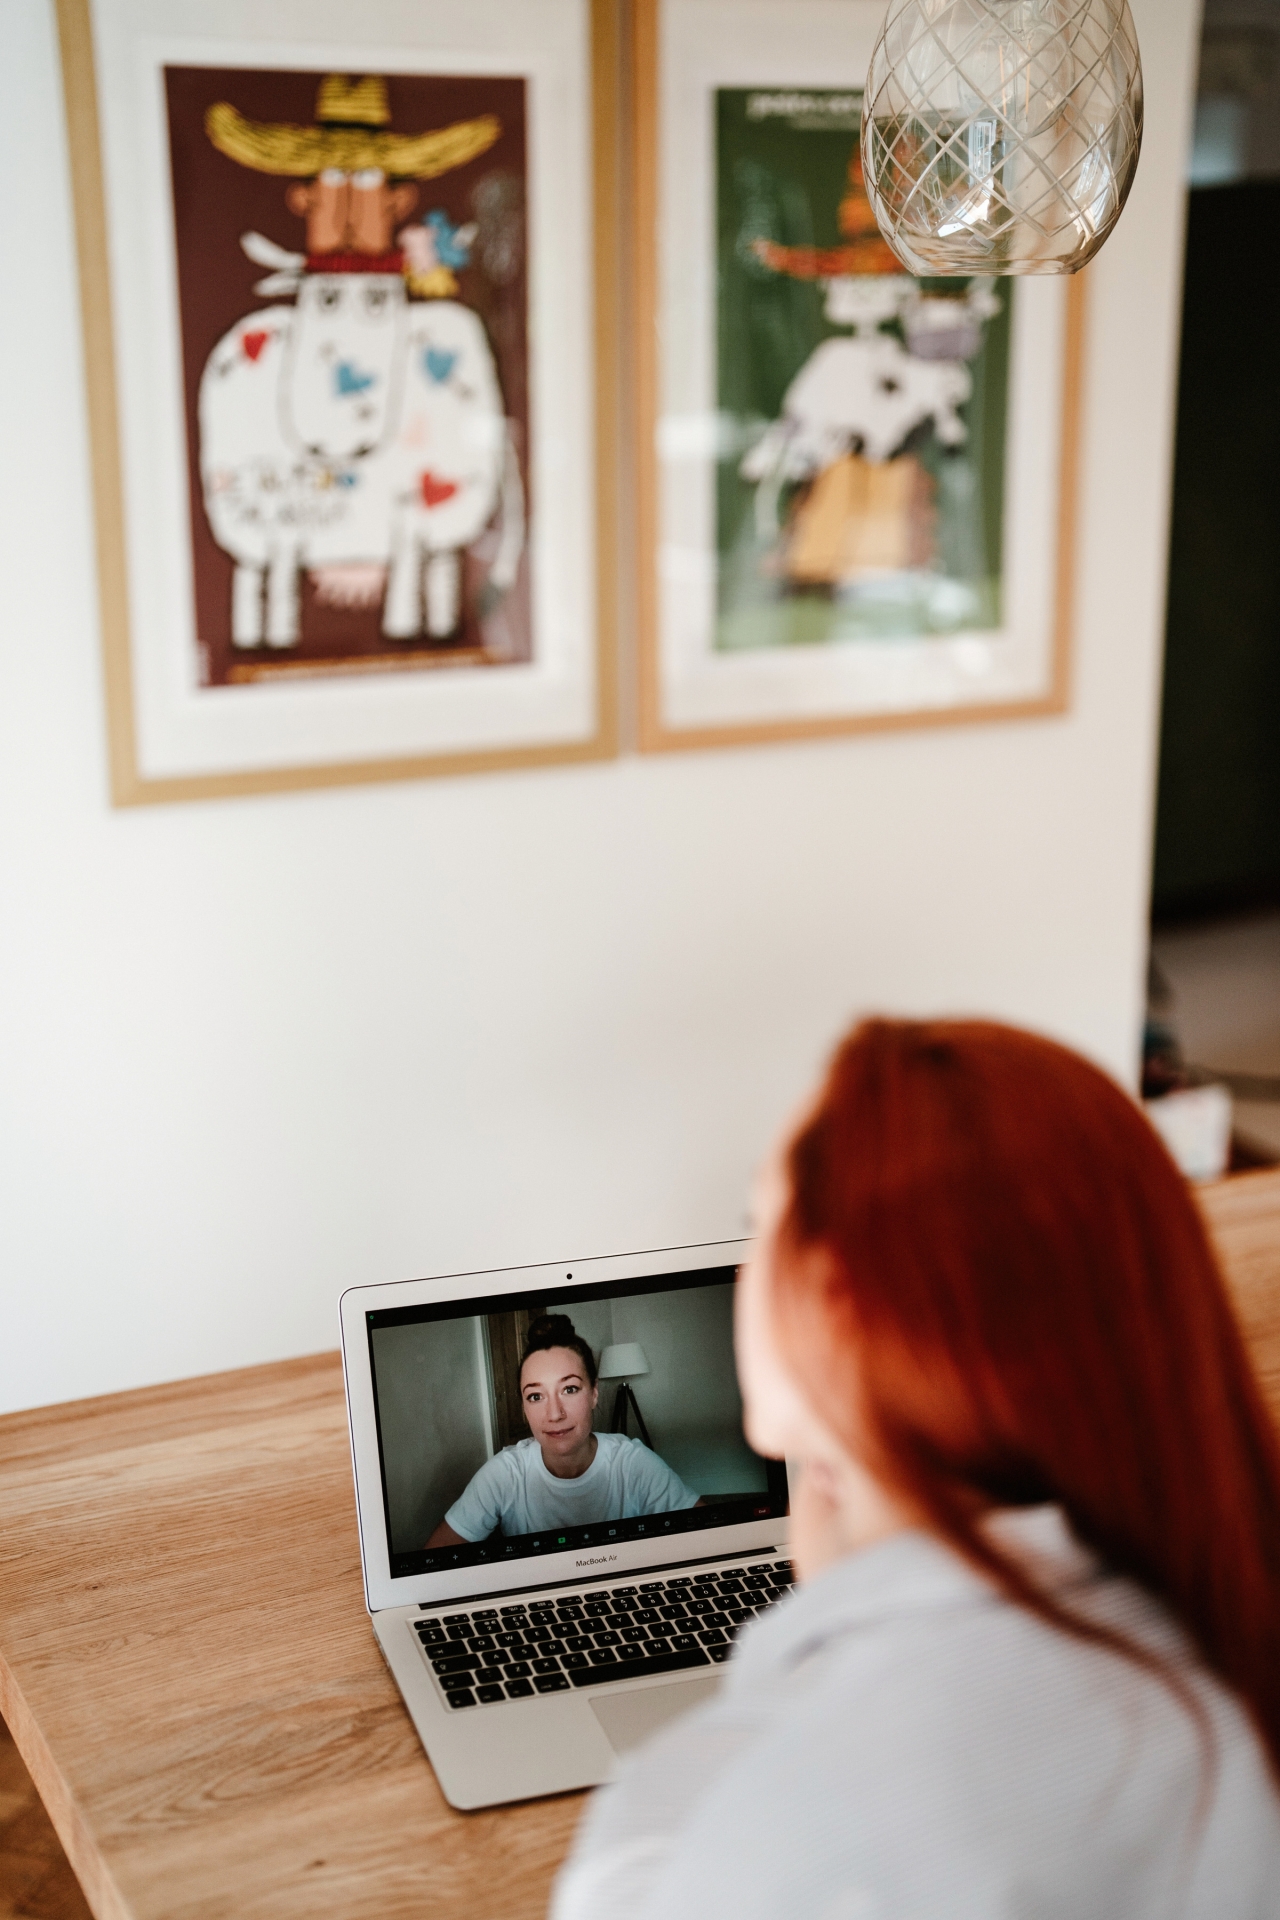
pixel 36 1881
pixel 1243 1214
pixel 207 1746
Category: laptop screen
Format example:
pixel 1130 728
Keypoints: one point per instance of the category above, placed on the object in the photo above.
pixel 536 1423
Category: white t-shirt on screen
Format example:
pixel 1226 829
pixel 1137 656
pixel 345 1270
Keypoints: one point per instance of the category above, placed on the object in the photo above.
pixel 514 1493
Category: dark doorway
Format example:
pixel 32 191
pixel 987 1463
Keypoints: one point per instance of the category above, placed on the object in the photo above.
pixel 1218 800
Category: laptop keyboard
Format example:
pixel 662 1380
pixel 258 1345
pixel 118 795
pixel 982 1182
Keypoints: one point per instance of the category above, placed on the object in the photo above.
pixel 584 1639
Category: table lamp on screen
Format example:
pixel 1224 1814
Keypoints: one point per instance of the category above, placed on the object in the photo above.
pixel 624 1363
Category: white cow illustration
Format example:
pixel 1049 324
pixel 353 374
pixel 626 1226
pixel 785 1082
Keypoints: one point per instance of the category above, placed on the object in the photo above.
pixel 865 393
pixel 361 439
pixel 450 462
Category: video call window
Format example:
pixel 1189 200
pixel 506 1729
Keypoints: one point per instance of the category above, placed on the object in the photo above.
pixel 536 1423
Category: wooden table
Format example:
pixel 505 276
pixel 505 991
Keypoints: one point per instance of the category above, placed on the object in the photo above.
pixel 206 1751
pixel 203 1749
pixel 1244 1219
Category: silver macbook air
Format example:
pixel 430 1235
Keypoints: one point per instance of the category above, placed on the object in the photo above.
pixel 561 1524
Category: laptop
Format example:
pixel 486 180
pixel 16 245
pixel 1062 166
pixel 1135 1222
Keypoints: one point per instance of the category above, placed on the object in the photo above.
pixel 556 1565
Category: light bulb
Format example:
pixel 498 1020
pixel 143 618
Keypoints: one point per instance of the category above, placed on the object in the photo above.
pixel 1001 136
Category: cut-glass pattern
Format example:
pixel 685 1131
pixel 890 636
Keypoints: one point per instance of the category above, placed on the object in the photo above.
pixel 1001 136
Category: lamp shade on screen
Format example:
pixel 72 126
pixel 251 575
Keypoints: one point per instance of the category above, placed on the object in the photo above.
pixel 623 1362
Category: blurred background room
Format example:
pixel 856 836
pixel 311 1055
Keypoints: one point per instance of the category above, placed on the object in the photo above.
pixel 260 1047
pixel 1215 901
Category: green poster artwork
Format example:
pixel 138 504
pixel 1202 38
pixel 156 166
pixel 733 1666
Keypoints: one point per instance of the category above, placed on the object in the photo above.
pixel 861 437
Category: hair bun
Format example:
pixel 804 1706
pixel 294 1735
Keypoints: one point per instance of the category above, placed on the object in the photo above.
pixel 557 1330
pixel 555 1327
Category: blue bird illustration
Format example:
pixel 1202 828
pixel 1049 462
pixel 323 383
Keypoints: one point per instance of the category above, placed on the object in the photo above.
pixel 452 244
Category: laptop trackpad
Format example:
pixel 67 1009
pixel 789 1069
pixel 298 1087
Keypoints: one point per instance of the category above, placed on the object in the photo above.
pixel 628 1718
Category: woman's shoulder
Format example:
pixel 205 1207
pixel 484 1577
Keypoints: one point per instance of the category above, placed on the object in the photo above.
pixel 512 1462
pixel 641 1474
pixel 972 1745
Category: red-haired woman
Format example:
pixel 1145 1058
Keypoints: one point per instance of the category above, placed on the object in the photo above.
pixel 1033 1665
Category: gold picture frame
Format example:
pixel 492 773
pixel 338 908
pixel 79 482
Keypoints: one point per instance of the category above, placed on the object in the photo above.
pixel 651 86
pixel 131 782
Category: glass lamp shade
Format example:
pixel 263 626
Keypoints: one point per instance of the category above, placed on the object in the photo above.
pixel 623 1362
pixel 1001 136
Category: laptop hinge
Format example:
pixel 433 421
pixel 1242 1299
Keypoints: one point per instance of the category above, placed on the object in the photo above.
pixel 598 1579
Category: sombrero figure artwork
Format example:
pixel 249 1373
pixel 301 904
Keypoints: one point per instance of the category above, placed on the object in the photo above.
pixel 862 499
pixel 352 323
pixel 857 487
pixel 351 256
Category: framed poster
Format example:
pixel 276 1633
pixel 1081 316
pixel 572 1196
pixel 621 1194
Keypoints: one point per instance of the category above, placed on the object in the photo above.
pixel 348 302
pixel 856 487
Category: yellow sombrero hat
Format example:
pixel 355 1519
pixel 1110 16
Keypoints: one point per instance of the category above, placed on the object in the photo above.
pixel 352 116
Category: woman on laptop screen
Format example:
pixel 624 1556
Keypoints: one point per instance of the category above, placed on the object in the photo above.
pixel 1032 1665
pixel 566 1474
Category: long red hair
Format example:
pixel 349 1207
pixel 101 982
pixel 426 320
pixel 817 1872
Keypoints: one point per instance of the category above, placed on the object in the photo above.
pixel 1019 1304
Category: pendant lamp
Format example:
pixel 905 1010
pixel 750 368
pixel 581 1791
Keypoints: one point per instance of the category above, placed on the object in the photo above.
pixel 1001 136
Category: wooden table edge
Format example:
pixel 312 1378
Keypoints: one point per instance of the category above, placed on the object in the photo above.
pixel 91 1870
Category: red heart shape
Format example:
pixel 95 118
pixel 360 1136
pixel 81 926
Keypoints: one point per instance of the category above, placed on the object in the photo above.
pixel 253 343
pixel 436 492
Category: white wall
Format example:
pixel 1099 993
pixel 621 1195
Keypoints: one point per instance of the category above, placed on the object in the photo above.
pixel 254 1051
pixel 689 1398
pixel 433 1395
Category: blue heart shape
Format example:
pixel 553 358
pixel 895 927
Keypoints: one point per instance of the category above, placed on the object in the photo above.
pixel 439 363
pixel 348 379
